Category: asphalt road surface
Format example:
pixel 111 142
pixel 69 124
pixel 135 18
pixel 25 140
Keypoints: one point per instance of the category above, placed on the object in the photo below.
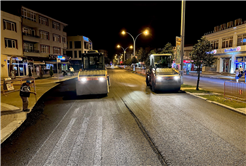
pixel 130 126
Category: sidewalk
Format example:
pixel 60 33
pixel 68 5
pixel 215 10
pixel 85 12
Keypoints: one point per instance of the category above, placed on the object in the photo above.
pixel 11 104
pixel 217 76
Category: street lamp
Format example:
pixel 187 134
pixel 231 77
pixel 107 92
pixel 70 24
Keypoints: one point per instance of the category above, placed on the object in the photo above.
pixel 123 50
pixel 146 32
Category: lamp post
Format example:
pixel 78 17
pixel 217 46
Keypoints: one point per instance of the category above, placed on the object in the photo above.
pixel 146 32
pixel 123 50
pixel 182 33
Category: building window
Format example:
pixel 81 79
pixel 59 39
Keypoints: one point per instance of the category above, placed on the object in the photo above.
pixel 227 42
pixel 77 44
pixel 43 20
pixel 9 25
pixel 28 47
pixel 28 15
pixel 56 50
pixel 44 48
pixel 70 44
pixel 80 55
pixel 56 38
pixel 10 43
pixel 28 31
pixel 56 25
pixel 63 39
pixel 214 44
pixel 75 54
pixel 69 53
pixel 241 40
pixel 44 35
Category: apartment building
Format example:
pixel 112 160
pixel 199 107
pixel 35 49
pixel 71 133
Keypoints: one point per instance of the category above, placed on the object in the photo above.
pixel 76 46
pixel 11 45
pixel 44 41
pixel 229 44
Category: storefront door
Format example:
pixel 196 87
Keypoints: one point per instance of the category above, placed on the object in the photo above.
pixel 226 65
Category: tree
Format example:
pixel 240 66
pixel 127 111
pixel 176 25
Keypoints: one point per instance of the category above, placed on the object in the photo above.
pixel 140 54
pixel 114 61
pixel 134 60
pixel 51 71
pixel 168 49
pixel 201 55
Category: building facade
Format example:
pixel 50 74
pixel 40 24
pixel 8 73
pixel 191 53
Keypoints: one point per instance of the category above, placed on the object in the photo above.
pixel 229 44
pixel 44 42
pixel 11 45
pixel 76 46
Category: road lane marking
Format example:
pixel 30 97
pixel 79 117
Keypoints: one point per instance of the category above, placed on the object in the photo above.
pixel 50 135
pixel 74 157
pixel 58 146
pixel 97 157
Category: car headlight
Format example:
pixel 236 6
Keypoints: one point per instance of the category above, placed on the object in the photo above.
pixel 158 78
pixel 101 79
pixel 83 79
pixel 176 78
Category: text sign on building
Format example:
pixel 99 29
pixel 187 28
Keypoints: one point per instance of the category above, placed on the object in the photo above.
pixel 61 57
pixel 233 49
pixel 212 52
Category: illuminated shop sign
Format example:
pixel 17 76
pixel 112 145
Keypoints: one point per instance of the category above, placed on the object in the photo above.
pixel 86 38
pixel 233 49
pixel 61 57
pixel 212 52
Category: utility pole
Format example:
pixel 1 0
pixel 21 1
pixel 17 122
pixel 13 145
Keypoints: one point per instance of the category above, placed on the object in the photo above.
pixel 182 32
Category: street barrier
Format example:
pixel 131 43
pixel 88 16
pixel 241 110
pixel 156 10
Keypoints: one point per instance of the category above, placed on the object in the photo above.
pixel 12 85
pixel 235 90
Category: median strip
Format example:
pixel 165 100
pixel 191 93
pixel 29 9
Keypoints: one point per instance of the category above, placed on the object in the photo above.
pixel 216 98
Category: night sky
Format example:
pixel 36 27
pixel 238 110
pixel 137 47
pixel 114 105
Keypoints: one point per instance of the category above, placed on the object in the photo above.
pixel 102 22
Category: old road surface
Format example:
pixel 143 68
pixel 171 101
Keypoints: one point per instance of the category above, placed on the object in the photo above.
pixel 130 126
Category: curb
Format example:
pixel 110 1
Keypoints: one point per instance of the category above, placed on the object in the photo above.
pixel 214 102
pixel 7 131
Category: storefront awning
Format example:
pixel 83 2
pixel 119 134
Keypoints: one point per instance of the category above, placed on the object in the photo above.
pixel 38 63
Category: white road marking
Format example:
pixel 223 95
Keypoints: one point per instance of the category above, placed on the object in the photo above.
pixel 58 146
pixel 74 157
pixel 75 112
pixel 50 135
pixel 97 157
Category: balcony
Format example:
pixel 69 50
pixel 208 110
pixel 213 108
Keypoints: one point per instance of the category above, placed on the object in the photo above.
pixel 31 50
pixel 31 35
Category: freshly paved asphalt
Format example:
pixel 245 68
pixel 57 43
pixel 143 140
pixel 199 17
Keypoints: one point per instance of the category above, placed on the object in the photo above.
pixel 101 130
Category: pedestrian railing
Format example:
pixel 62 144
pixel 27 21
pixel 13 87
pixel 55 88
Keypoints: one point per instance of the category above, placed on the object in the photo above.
pixel 13 85
pixel 235 90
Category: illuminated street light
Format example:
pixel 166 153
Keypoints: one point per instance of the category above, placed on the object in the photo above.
pixel 124 49
pixel 146 32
